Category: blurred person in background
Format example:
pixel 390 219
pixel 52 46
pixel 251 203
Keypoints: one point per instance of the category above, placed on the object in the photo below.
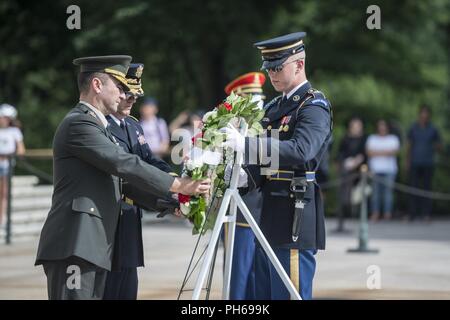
pixel 351 156
pixel 423 140
pixel 190 123
pixel 155 129
pixel 11 143
pixel 382 148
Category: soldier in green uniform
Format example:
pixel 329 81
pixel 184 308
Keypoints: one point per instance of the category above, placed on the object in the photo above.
pixel 92 173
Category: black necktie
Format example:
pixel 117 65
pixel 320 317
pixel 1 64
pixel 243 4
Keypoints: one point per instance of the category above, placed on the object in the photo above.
pixel 122 126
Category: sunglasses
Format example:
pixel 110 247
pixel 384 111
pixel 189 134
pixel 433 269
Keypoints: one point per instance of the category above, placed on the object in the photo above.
pixel 279 68
pixel 131 96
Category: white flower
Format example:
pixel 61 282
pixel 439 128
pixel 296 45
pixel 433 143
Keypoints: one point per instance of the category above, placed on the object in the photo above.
pixel 195 159
pixel 212 114
pixel 191 164
pixel 185 208
pixel 235 122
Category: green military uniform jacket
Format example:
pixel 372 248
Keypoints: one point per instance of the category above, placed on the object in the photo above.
pixel 88 167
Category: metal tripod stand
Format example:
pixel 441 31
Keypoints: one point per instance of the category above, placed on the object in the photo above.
pixel 232 200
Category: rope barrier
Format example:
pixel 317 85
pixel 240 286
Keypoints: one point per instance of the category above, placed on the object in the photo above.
pixel 412 190
pixel 396 185
pixel 339 181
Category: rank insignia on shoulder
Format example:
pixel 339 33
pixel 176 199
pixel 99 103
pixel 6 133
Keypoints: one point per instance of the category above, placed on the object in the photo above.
pixel 296 98
pixel 320 102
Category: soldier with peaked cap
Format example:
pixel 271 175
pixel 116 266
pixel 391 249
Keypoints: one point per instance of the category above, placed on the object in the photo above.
pixel 122 281
pixel 242 282
pixel 298 127
pixel 91 176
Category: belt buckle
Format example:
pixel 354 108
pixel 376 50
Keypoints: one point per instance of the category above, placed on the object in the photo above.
pixel 128 201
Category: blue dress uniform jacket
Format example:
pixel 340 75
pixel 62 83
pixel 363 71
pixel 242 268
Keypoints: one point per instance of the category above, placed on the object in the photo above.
pixel 122 282
pixel 128 251
pixel 305 124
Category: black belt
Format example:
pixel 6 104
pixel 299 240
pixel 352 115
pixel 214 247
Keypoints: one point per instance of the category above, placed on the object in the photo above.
pixel 284 175
pixel 128 200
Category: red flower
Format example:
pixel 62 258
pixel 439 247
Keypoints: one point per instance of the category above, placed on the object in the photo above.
pixel 227 106
pixel 198 135
pixel 182 198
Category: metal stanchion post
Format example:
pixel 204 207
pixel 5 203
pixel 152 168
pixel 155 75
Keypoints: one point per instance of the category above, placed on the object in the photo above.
pixel 363 224
pixel 11 163
pixel 340 221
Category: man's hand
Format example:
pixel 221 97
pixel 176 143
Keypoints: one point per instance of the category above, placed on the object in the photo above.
pixel 190 187
pixel 234 139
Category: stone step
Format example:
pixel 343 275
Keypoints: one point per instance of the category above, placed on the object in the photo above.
pixel 29 216
pixel 29 204
pixel 24 181
pixel 32 229
pixel 21 238
pixel 32 191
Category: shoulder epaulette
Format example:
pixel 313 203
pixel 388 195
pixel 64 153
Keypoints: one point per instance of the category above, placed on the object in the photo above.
pixel 134 118
pixel 316 97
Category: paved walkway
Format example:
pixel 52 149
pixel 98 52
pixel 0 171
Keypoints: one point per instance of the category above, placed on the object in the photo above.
pixel 413 262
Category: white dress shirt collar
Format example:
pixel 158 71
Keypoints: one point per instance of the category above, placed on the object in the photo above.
pixel 290 93
pixel 116 120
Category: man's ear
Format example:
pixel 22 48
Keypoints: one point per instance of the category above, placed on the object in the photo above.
pixel 96 84
pixel 300 65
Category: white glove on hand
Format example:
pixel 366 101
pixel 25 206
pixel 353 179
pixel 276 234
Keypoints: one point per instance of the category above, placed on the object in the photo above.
pixel 243 177
pixel 234 139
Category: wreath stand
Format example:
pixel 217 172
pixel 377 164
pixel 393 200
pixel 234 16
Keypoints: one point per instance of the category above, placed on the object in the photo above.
pixel 232 199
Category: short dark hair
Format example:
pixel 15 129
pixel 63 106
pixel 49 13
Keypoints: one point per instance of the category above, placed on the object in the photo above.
pixel 354 118
pixel 425 108
pixel 85 78
pixel 150 100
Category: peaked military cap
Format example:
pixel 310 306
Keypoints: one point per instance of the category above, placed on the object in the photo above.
pixel 249 83
pixel 134 75
pixel 277 50
pixel 114 65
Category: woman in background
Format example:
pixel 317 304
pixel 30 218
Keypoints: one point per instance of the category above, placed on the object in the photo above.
pixel 382 149
pixel 11 143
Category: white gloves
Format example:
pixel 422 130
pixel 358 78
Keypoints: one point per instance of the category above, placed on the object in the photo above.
pixel 234 139
pixel 243 178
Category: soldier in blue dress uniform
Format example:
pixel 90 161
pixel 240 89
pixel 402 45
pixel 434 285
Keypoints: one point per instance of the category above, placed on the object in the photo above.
pixel 122 281
pixel 242 282
pixel 298 127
